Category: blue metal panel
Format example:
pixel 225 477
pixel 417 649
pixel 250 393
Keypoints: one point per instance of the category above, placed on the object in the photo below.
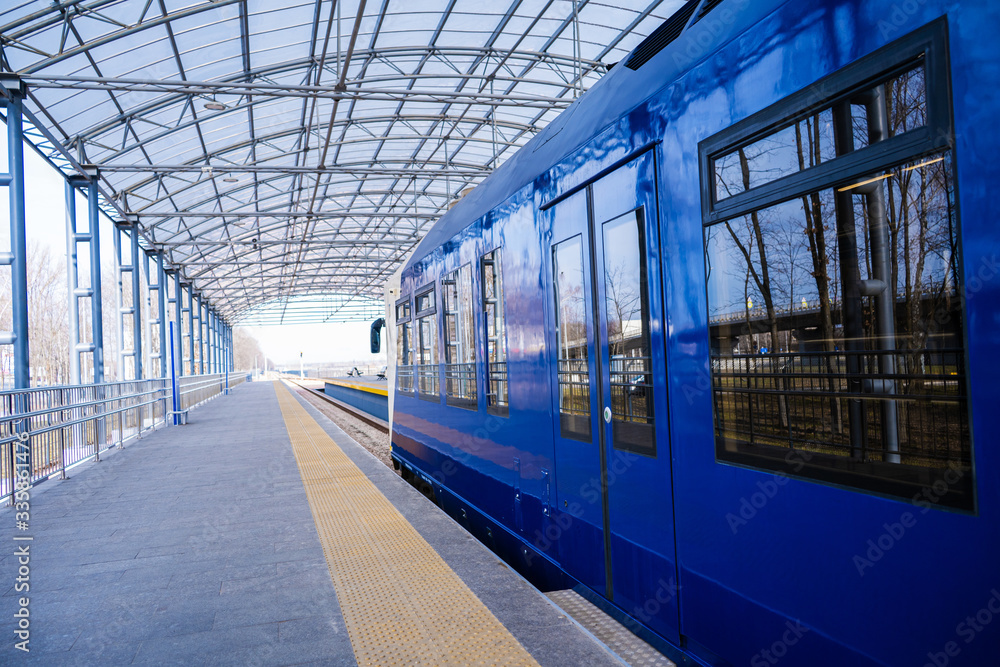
pixel 787 582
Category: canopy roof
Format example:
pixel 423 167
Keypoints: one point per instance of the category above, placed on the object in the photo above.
pixel 285 159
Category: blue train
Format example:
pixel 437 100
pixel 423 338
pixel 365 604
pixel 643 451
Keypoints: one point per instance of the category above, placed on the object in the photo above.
pixel 719 347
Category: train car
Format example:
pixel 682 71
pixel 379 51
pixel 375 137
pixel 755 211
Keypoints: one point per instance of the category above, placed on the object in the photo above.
pixel 719 346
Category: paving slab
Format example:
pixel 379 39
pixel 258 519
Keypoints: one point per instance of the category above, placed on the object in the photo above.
pixel 168 552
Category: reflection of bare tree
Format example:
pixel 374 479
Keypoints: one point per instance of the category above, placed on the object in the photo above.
pixel 808 151
pixel 624 308
pixel 762 278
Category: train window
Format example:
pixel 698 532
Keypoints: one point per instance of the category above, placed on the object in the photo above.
pixel 571 327
pixel 835 308
pixel 459 346
pixel 810 141
pixel 426 349
pixel 404 346
pixel 496 334
pixel 627 308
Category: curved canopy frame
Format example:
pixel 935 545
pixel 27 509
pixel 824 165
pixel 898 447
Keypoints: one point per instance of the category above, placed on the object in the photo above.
pixel 285 160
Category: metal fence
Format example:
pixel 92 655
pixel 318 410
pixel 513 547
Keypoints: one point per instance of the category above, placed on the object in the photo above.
pixel 197 388
pixel 65 425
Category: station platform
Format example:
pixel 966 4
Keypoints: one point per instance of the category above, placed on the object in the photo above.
pixel 260 534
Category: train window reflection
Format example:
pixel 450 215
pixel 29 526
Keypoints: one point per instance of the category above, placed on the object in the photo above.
pixel 627 312
pixel 426 347
pixel 496 334
pixel 571 327
pixel 404 347
pixel 459 349
pixel 810 141
pixel 836 326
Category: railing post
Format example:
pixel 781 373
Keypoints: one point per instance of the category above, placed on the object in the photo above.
pixel 62 436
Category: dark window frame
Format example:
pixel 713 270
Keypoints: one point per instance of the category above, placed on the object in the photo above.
pixel 419 316
pixel 450 367
pixel 494 408
pixel 929 46
pixel 627 435
pixel 573 424
pixel 406 319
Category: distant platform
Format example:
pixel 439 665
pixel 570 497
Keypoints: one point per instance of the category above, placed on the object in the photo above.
pixel 364 393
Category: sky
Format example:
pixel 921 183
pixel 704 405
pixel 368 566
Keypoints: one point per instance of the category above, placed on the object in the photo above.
pixel 45 207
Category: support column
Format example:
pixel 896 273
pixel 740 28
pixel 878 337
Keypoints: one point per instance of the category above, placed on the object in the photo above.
pixel 20 451
pixel 156 313
pixel 218 344
pixel 211 342
pixel 178 319
pixel 122 312
pixel 195 305
pixel 95 277
pixel 161 297
pixel 136 302
pixel 205 366
pixel 198 306
pixel 15 92
pixel 74 291
pixel 190 330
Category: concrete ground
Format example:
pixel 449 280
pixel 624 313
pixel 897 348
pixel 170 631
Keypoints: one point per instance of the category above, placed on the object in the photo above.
pixel 196 546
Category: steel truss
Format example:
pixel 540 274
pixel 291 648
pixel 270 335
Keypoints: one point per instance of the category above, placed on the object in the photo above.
pixel 259 189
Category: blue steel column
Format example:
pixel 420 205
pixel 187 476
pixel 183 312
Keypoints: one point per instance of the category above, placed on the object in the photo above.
pixel 120 311
pixel 136 303
pixel 203 326
pixel 161 294
pixel 194 303
pixel 95 278
pixel 74 287
pixel 21 463
pixel 218 344
pixel 94 220
pixel 198 308
pixel 209 323
pixel 18 250
pixel 177 341
pixel 190 329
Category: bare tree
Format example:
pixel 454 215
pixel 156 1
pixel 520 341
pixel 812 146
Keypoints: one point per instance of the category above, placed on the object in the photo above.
pixel 246 350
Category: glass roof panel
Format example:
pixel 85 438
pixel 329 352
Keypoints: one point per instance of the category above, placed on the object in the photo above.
pixel 400 101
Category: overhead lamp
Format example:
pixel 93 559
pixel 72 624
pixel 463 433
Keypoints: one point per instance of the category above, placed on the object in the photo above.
pixel 214 104
pixel 230 179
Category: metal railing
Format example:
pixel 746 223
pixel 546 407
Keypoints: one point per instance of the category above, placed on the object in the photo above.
pixel 195 389
pixel 66 425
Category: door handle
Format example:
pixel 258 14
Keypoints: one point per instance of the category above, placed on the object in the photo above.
pixel 607 415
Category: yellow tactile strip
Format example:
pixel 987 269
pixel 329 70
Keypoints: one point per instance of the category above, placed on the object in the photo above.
pixel 401 602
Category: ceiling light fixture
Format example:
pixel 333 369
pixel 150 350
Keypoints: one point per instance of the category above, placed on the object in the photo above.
pixel 214 104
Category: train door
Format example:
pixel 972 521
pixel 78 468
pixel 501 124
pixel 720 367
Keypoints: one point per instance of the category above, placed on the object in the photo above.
pixel 614 508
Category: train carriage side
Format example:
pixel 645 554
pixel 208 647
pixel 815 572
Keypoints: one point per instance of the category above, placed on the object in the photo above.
pixel 728 362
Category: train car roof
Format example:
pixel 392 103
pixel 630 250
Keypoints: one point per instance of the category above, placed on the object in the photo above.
pixel 618 92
